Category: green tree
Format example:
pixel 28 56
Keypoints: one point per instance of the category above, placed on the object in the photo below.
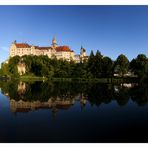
pixel 13 62
pixel 140 65
pixel 91 64
pixel 27 59
pixel 98 65
pixel 107 67
pixel 80 70
pixel 121 65
pixel 5 69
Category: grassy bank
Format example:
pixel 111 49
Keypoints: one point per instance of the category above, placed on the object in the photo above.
pixel 81 80
pixel 32 78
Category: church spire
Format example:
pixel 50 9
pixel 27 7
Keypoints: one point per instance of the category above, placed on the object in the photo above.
pixel 54 42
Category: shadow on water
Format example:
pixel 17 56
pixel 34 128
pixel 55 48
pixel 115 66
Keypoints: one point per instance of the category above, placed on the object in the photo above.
pixel 74 112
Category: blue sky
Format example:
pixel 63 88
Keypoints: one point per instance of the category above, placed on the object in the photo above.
pixel 111 29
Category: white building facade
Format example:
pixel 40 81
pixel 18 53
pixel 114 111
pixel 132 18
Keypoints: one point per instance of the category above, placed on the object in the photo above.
pixel 60 52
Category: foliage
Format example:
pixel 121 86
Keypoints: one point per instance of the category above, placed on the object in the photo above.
pixel 107 67
pixel 121 65
pixel 140 65
pixel 4 69
pixel 97 66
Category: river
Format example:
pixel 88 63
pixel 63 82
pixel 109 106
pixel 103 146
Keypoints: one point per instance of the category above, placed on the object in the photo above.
pixel 73 112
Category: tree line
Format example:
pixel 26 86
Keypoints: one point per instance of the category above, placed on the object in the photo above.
pixel 96 66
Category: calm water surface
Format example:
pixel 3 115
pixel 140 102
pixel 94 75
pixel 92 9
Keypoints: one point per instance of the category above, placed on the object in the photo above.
pixel 73 112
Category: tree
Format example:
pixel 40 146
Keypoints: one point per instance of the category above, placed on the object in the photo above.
pixel 5 69
pixel 95 67
pixel 80 70
pixel 27 59
pixel 91 64
pixel 98 65
pixel 140 65
pixel 107 67
pixel 121 65
pixel 13 62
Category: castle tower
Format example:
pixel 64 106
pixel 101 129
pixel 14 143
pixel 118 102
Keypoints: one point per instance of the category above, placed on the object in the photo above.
pixel 54 42
pixel 82 52
pixel 14 42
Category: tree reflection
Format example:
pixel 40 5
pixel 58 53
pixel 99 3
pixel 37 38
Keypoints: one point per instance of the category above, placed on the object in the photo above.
pixel 122 95
pixel 139 93
pixel 62 95
pixel 99 93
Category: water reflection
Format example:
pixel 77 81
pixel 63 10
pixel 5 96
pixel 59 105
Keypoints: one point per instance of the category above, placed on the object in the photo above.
pixel 27 96
pixel 73 112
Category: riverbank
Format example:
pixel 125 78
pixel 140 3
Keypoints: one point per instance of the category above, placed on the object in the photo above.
pixel 98 80
pixel 81 80
pixel 32 78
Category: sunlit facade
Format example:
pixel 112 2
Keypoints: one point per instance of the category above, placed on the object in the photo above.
pixel 60 52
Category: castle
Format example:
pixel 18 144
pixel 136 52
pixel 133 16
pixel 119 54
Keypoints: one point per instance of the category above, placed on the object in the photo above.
pixel 60 52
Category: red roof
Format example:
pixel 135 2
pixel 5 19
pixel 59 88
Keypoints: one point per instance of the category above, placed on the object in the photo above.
pixel 22 45
pixel 43 48
pixel 63 48
pixel 58 49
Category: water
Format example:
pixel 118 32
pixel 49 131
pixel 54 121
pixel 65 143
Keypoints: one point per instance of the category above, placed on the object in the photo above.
pixel 73 112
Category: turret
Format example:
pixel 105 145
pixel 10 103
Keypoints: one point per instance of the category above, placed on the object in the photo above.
pixel 82 52
pixel 54 42
pixel 14 42
pixel 13 49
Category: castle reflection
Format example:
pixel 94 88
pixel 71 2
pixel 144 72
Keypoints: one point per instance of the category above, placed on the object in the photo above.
pixel 55 103
pixel 25 106
pixel 29 96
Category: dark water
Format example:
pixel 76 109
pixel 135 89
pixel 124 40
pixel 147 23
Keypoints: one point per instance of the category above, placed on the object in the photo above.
pixel 73 112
